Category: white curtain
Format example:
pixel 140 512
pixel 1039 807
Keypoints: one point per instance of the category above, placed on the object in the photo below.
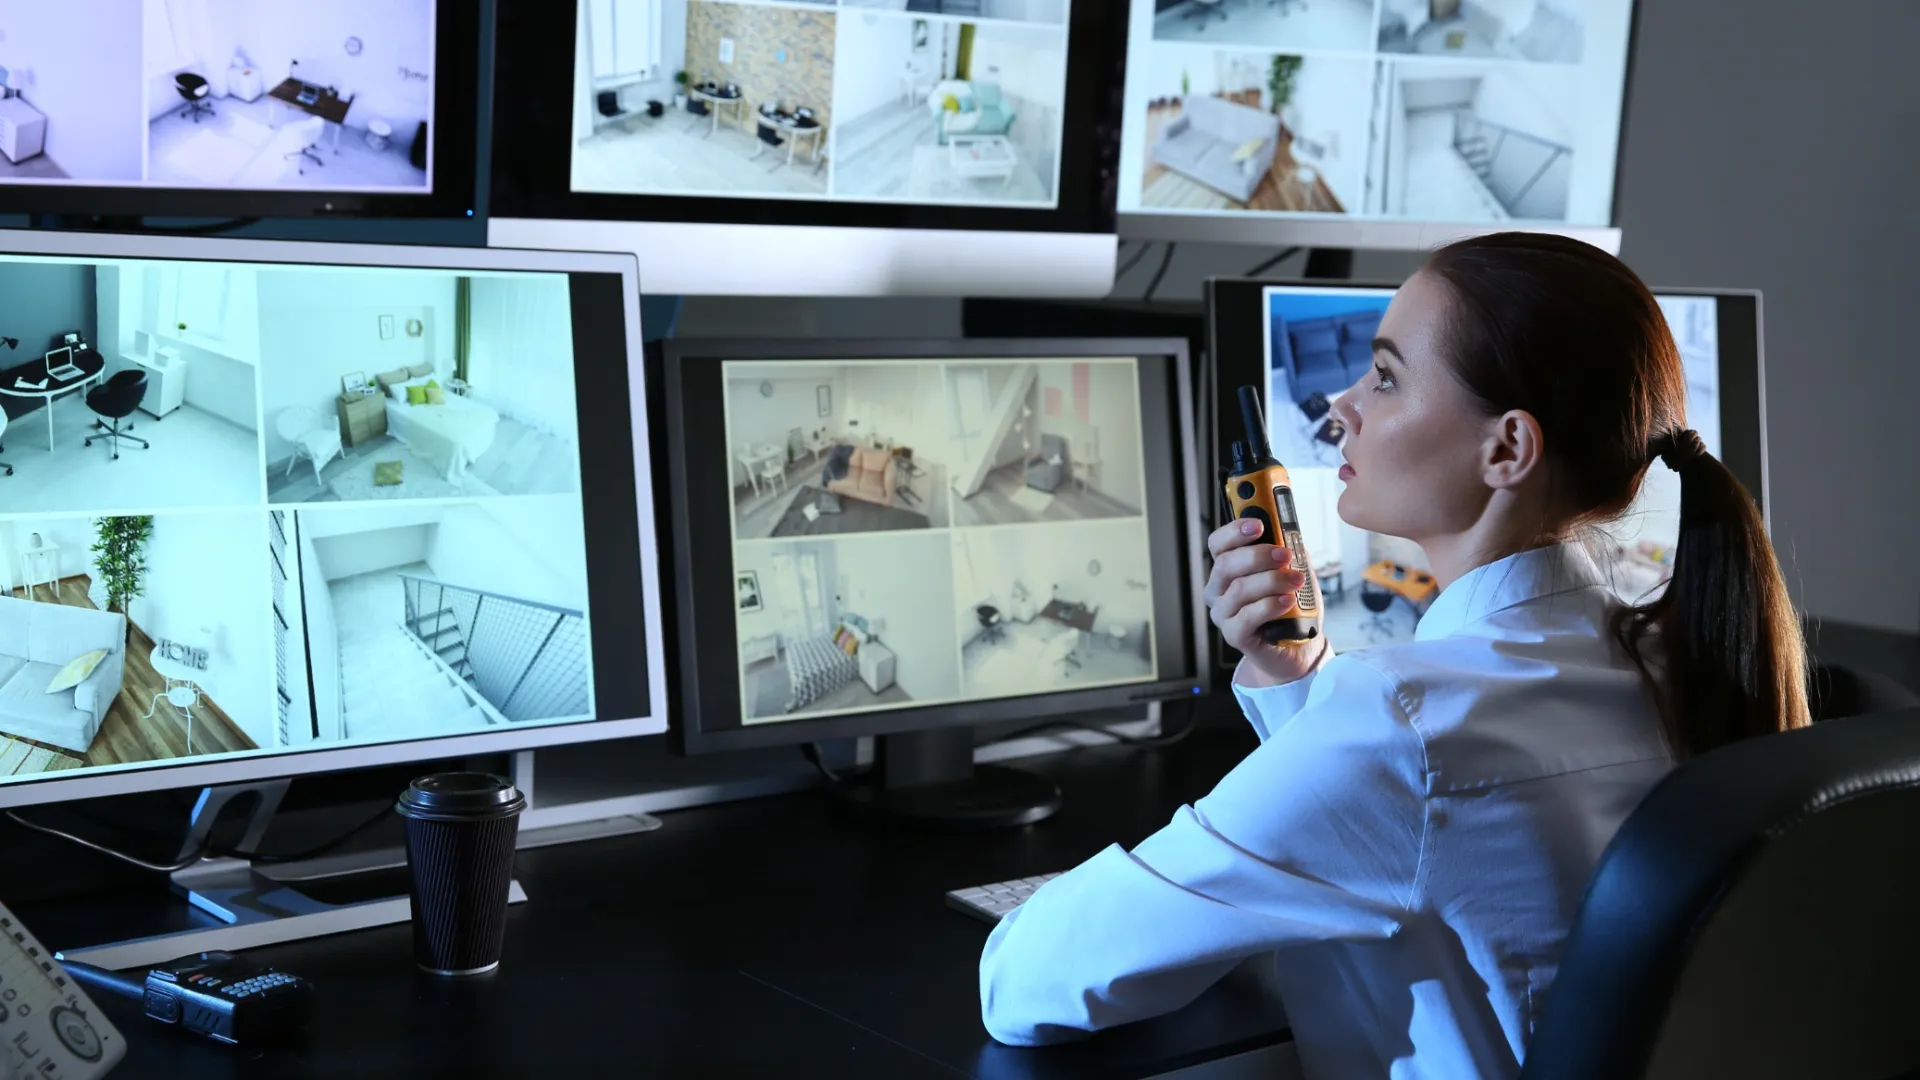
pixel 798 596
pixel 196 33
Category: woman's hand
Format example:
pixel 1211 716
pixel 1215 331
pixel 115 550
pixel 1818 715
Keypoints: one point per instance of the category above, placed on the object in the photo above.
pixel 1252 584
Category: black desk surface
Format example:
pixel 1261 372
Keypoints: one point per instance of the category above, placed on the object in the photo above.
pixel 758 938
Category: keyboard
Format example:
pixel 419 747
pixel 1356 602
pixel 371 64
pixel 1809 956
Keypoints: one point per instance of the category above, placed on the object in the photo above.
pixel 989 902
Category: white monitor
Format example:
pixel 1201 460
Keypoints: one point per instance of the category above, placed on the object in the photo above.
pixel 398 506
pixel 1372 123
pixel 810 147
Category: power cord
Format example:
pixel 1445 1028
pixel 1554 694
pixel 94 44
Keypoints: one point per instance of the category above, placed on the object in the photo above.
pixel 1275 261
pixel 1166 260
pixel 205 849
pixel 1133 260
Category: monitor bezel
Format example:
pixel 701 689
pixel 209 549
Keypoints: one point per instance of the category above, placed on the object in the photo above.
pixel 531 169
pixel 460 28
pixel 1404 234
pixel 174 774
pixel 690 735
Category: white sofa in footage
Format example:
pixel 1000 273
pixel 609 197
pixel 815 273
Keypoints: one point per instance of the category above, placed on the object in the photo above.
pixel 1226 146
pixel 36 641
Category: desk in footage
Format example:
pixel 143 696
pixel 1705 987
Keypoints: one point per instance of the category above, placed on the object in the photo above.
pixel 26 398
pixel 765 937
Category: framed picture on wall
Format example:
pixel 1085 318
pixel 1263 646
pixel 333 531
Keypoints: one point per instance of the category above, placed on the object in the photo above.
pixel 746 589
pixel 824 398
pixel 386 327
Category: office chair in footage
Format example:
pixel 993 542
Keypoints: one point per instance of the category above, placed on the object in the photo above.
pixel 1376 601
pixel 115 400
pixel 309 133
pixel 194 90
pixel 990 628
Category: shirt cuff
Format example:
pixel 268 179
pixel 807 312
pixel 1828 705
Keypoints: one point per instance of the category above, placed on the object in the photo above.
pixel 1269 707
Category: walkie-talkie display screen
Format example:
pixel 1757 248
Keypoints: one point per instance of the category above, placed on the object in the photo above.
pixel 1289 519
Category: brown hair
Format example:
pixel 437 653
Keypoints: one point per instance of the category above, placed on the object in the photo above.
pixel 1569 334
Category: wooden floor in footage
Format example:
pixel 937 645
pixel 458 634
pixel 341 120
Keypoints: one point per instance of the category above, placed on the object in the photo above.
pixel 125 738
pixel 1280 189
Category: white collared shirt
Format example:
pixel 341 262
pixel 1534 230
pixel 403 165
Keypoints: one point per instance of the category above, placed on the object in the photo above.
pixel 1412 838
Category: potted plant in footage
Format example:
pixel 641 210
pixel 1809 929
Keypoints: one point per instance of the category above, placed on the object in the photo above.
pixel 680 89
pixel 120 558
pixel 1280 77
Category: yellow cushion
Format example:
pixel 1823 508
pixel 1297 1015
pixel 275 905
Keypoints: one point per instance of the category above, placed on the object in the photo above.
pixel 416 395
pixel 431 383
pixel 435 395
pixel 950 103
pixel 76 671
pixel 1249 148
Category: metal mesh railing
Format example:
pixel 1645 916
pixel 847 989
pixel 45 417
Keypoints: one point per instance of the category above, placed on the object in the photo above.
pixel 525 658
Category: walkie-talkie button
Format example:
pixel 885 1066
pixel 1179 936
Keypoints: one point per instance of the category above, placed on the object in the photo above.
pixel 1245 489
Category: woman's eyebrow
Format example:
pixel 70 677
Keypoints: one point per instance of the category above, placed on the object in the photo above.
pixel 1386 345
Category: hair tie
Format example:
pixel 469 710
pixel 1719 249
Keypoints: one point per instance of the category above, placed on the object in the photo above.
pixel 1679 449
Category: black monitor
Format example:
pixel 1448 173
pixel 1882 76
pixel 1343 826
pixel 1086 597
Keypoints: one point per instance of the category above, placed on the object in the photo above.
pixel 909 538
pixel 1291 338
pixel 120 109
pixel 807 147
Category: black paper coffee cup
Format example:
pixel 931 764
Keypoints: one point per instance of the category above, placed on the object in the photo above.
pixel 461 829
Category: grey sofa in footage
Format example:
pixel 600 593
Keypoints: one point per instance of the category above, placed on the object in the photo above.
pixel 36 641
pixel 1049 468
pixel 1211 141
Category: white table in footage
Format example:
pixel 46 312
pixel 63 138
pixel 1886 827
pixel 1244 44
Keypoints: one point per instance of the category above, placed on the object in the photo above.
pixel 982 157
pixel 54 389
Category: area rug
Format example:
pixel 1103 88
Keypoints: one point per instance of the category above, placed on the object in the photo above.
pixel 931 176
pixel 1033 500
pixel 856 515
pixel 357 483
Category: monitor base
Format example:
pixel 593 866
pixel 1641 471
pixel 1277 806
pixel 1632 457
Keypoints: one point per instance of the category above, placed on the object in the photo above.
pixel 254 906
pixel 929 778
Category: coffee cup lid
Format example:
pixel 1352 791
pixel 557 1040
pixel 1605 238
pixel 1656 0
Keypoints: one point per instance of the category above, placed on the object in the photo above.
pixel 461 795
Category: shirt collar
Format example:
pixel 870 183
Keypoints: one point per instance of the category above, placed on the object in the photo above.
pixel 1516 579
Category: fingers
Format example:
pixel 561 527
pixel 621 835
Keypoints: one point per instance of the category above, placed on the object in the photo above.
pixel 1242 631
pixel 1234 534
pixel 1279 582
pixel 1239 562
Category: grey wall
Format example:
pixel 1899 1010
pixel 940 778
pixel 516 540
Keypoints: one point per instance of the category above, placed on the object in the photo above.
pixel 39 301
pixel 1766 147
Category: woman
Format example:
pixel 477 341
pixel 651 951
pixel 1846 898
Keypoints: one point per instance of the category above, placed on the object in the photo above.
pixel 1415 831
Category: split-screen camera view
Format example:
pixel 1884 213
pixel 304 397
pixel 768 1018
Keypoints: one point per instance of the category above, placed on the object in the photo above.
pixel 1376 587
pixel 248 509
pixel 218 94
pixel 1334 106
pixel 929 101
pixel 909 532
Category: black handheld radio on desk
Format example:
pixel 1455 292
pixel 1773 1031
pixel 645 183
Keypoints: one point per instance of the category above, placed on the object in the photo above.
pixel 1258 488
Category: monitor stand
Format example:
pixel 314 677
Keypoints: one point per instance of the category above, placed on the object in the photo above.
pixel 928 777
pixel 1329 264
pixel 251 906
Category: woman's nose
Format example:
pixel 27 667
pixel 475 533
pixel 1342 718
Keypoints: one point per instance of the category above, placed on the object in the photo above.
pixel 1344 411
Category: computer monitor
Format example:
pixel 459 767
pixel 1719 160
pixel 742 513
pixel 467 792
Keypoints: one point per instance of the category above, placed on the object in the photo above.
pixel 125 108
pixel 1286 337
pixel 365 504
pixel 1372 123
pixel 909 538
pixel 805 147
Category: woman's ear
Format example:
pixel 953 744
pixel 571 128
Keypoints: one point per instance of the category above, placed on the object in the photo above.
pixel 1515 449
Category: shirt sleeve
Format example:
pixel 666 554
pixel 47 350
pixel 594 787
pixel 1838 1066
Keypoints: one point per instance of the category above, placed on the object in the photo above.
pixel 1267 707
pixel 1315 836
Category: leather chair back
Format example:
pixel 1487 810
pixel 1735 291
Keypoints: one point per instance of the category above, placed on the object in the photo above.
pixel 120 395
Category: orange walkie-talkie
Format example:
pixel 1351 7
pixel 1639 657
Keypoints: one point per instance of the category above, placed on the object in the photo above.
pixel 1257 488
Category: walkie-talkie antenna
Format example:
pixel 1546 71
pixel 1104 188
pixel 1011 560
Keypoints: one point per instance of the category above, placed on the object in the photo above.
pixel 1254 452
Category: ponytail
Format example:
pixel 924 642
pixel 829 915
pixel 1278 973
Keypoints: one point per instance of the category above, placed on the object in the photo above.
pixel 1733 658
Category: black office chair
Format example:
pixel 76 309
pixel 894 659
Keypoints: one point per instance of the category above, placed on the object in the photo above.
pixel 990 628
pixel 1376 600
pixel 1837 691
pixel 194 90
pixel 116 399
pixel 1754 917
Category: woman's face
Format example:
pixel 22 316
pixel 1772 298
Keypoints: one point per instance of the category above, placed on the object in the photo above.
pixel 1416 439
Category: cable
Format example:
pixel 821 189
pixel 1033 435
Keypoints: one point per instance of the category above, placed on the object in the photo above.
pixel 205 849
pixel 1273 262
pixel 1152 742
pixel 1133 260
pixel 812 753
pixel 158 868
pixel 107 982
pixel 1166 260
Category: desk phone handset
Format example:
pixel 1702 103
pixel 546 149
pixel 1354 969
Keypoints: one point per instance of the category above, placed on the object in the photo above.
pixel 1257 487
pixel 48 1028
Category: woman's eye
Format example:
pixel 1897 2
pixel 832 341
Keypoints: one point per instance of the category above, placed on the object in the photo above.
pixel 1385 377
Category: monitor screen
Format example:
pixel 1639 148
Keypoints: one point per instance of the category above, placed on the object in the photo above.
pixel 915 539
pixel 864 101
pixel 1465 112
pixel 1313 344
pixel 278 516
pixel 317 106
